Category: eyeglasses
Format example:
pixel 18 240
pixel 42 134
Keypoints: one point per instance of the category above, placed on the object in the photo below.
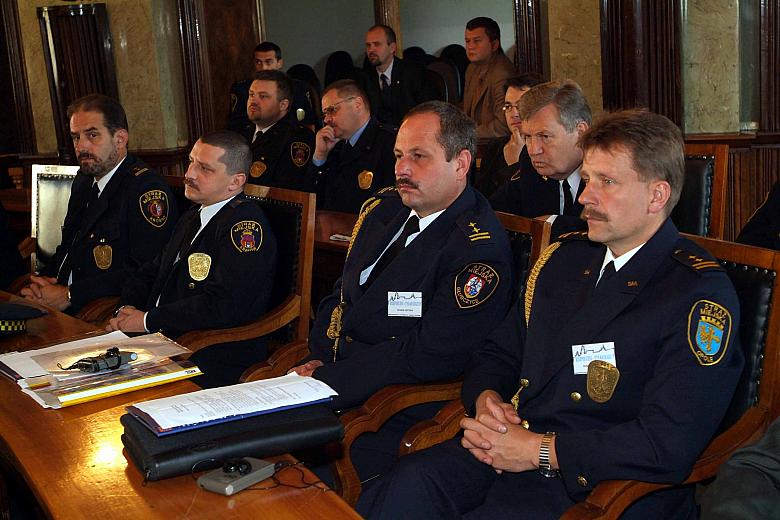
pixel 334 108
pixel 509 106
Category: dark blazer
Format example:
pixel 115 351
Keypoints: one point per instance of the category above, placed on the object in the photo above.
pixel 134 217
pixel 281 156
pixel 529 194
pixel 376 350
pixel 763 228
pixel 408 87
pixel 236 286
pixel 669 398
pixel 338 179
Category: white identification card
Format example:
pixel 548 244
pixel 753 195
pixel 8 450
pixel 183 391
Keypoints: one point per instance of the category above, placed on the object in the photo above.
pixel 582 355
pixel 408 304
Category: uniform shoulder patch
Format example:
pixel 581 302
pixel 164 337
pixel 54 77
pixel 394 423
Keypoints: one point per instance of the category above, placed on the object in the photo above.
pixel 247 236
pixel 573 235
pixel 475 284
pixel 709 331
pixel 154 207
pixel 140 170
pixel 696 262
pixel 300 153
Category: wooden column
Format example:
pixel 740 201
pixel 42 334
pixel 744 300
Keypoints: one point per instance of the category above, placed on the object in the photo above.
pixel 18 79
pixel 769 28
pixel 388 12
pixel 528 56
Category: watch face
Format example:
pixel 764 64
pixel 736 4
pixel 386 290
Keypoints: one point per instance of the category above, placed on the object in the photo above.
pixel 549 473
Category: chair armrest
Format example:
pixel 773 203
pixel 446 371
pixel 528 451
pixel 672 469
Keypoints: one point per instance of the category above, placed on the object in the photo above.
pixel 277 363
pixel 19 283
pixel 609 499
pixel 372 415
pixel 278 317
pixel 440 428
pixel 99 311
pixel 26 248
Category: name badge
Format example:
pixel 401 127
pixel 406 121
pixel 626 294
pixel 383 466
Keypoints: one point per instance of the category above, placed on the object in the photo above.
pixel 582 355
pixel 405 304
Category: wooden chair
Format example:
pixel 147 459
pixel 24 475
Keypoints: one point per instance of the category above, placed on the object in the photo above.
pixel 702 206
pixel 528 238
pixel 291 215
pixel 754 273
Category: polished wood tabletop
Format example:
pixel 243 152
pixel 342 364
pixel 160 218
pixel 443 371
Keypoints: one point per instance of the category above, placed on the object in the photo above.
pixel 328 223
pixel 73 461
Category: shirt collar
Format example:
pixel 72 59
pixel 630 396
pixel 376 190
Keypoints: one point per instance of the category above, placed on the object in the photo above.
pixel 103 181
pixel 621 260
pixel 574 182
pixel 354 139
pixel 425 221
pixel 388 71
pixel 208 212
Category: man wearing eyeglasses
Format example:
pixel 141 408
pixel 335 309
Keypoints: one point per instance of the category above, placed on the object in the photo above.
pixel 554 115
pixel 353 154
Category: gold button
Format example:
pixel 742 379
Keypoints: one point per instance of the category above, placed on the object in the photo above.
pixel 524 382
pixel 582 481
pixel 575 396
pixel 190 285
pixel 524 424
pixel 348 339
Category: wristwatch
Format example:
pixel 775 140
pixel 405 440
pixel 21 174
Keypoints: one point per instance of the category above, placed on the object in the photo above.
pixel 544 457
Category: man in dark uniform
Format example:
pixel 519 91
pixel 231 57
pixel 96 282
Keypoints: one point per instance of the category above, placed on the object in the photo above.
pixel 763 228
pixel 619 364
pixel 427 275
pixel 547 179
pixel 354 153
pixel 218 268
pixel 268 56
pixel 120 213
pixel 392 84
pixel 281 146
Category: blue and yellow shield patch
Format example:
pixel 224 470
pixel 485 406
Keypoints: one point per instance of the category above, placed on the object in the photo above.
pixel 709 331
pixel 247 236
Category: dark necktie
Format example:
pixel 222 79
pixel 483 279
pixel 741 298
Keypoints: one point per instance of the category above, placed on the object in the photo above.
pixel 257 136
pixel 412 226
pixel 607 273
pixel 568 201
pixel 94 193
pixel 65 267
pixel 192 230
pixel 383 83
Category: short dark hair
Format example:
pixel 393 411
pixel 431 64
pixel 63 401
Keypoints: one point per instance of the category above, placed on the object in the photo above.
pixel 283 83
pixel 491 27
pixel 456 130
pixel 525 80
pixel 269 46
pixel 389 32
pixel 346 88
pixel 565 95
pixel 237 157
pixel 114 117
pixel 655 143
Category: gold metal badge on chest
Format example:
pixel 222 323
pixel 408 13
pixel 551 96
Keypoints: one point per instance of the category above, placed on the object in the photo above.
pixel 365 178
pixel 103 256
pixel 602 379
pixel 199 265
pixel 258 168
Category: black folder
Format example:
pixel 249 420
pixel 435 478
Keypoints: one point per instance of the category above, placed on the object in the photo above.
pixel 206 448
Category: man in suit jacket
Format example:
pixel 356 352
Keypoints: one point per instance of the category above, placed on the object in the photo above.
pixel 619 364
pixel 412 311
pixel 281 146
pixel 392 84
pixel 218 269
pixel 353 156
pixel 483 94
pixel 763 227
pixel 547 179
pixel 120 213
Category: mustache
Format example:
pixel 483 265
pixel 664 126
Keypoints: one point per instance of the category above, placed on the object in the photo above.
pixel 405 182
pixel 85 155
pixel 592 214
pixel 190 183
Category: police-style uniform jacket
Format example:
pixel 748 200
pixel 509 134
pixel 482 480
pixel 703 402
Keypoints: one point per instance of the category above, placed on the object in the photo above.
pixel 352 173
pixel 763 228
pixel 672 317
pixel 281 155
pixel 104 244
pixel 460 265
pixel 531 195
pixel 223 279
pixel 239 94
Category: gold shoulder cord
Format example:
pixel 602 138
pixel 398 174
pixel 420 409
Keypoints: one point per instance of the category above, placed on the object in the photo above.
pixel 334 329
pixel 529 298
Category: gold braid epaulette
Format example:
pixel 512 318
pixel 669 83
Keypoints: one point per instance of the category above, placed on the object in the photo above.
pixel 334 328
pixel 533 275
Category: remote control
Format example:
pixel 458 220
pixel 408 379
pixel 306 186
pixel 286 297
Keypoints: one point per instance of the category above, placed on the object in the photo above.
pixel 229 483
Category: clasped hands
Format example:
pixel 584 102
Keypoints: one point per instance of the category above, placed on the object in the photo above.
pixel 45 290
pixel 127 319
pixel 496 437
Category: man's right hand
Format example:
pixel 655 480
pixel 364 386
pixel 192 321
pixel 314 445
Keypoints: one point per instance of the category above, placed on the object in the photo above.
pixel 325 141
pixel 37 283
pixel 307 369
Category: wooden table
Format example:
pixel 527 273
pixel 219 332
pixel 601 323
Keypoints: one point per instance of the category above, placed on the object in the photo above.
pixel 329 255
pixel 72 460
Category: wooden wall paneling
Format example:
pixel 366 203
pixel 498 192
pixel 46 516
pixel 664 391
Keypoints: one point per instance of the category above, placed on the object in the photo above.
pixel 388 12
pixel 769 27
pixel 18 79
pixel 528 54
pixel 190 17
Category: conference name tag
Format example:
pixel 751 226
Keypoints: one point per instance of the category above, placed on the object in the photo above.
pixel 406 304
pixel 582 355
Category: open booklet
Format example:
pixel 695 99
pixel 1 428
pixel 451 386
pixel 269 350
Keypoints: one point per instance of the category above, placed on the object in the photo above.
pixel 41 375
pixel 228 403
